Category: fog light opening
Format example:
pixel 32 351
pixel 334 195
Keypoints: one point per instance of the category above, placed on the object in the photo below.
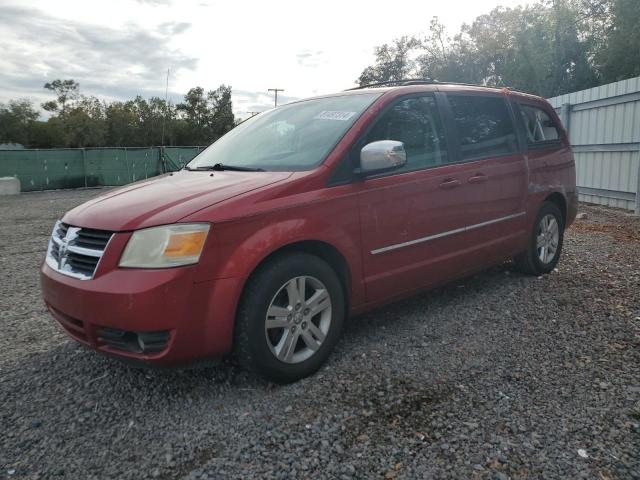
pixel 134 342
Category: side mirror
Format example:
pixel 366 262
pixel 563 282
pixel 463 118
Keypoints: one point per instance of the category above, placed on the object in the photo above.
pixel 382 155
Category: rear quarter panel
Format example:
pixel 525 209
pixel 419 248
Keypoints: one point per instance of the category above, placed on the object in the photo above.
pixel 551 167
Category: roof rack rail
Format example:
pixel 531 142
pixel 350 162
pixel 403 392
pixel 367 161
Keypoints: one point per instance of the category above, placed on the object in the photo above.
pixel 421 81
pixel 390 83
pixel 463 84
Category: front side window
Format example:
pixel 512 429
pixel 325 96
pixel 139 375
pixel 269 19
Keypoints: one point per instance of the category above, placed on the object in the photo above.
pixel 538 125
pixel 416 123
pixel 484 126
pixel 293 137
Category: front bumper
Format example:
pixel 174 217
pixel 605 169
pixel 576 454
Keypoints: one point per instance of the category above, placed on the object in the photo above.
pixel 198 317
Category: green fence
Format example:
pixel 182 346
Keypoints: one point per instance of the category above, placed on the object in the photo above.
pixel 57 168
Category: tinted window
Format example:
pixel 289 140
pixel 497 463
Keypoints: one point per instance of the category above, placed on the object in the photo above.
pixel 484 126
pixel 416 123
pixel 538 125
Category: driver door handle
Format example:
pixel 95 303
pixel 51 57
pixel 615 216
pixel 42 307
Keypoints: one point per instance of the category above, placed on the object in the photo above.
pixel 450 183
pixel 478 178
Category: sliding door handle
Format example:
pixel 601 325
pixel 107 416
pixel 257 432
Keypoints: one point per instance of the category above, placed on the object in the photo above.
pixel 450 183
pixel 478 178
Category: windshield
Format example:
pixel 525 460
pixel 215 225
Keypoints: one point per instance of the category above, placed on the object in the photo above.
pixel 289 138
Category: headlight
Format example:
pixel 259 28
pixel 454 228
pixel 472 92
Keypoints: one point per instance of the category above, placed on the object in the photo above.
pixel 166 246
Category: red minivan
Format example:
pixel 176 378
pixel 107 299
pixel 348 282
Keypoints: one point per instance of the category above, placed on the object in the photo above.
pixel 308 213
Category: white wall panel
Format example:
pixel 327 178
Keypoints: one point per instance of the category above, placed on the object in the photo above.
pixel 606 120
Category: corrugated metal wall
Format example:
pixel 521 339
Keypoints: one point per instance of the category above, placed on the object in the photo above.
pixel 57 168
pixel 604 128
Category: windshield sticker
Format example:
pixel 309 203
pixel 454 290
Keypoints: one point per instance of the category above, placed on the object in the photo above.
pixel 334 115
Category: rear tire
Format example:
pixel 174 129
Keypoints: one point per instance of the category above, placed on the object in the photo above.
pixel 545 242
pixel 290 317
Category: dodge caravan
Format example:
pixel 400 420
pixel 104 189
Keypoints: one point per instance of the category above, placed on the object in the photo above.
pixel 305 214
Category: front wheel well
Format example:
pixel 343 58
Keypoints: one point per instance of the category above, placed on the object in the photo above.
pixel 323 250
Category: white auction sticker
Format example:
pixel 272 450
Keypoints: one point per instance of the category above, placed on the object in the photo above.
pixel 334 115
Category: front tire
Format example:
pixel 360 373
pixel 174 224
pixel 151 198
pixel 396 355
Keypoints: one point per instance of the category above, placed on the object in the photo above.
pixel 545 243
pixel 290 317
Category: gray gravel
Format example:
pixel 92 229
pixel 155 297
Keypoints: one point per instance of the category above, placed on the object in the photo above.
pixel 494 377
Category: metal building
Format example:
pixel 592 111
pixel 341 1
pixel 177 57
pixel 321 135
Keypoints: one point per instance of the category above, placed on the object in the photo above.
pixel 604 128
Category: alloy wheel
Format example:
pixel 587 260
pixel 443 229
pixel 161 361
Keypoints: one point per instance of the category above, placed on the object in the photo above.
pixel 298 319
pixel 548 237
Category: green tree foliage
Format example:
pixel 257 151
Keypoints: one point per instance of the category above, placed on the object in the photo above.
pixel 223 119
pixel 454 59
pixel 83 121
pixel 393 62
pixel 149 118
pixel 17 122
pixel 206 116
pixel 621 57
pixel 65 91
pixel 549 48
pixel 122 124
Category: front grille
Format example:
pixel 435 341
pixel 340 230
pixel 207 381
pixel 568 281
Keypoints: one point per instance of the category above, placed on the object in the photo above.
pixel 75 251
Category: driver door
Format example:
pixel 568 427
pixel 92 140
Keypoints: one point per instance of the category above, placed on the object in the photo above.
pixel 403 213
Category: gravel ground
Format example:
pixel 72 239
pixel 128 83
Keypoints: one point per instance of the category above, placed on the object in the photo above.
pixel 494 377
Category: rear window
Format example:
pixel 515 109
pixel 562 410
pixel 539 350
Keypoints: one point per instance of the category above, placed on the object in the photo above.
pixel 538 125
pixel 484 126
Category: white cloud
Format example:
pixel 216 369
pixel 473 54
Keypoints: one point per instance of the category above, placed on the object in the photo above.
pixel 120 48
pixel 104 60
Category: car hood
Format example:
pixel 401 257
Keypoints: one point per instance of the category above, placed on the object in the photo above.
pixel 166 199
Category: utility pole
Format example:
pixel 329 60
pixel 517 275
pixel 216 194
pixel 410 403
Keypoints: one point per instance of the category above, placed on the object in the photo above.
pixel 166 106
pixel 276 90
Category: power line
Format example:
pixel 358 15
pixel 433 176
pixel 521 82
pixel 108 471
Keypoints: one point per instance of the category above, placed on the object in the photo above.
pixel 276 90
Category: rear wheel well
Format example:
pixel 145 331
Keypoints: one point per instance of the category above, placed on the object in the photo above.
pixel 323 250
pixel 557 199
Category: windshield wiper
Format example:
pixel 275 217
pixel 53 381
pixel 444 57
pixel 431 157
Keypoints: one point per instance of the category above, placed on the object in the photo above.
pixel 220 167
pixel 235 168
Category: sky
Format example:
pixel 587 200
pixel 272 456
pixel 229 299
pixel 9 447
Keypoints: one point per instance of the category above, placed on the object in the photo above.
pixel 117 49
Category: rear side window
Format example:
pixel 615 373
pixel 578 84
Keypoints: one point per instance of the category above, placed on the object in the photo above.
pixel 538 125
pixel 484 126
pixel 416 123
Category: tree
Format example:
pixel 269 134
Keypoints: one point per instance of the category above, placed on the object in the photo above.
pixel 594 19
pixel 80 121
pixel 446 59
pixel 620 58
pixel 535 48
pixel 549 48
pixel 85 123
pixel 149 117
pixel 65 91
pixel 223 119
pixel 121 124
pixel 46 135
pixel 206 116
pixel 393 62
pixel 17 121
pixel 194 107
